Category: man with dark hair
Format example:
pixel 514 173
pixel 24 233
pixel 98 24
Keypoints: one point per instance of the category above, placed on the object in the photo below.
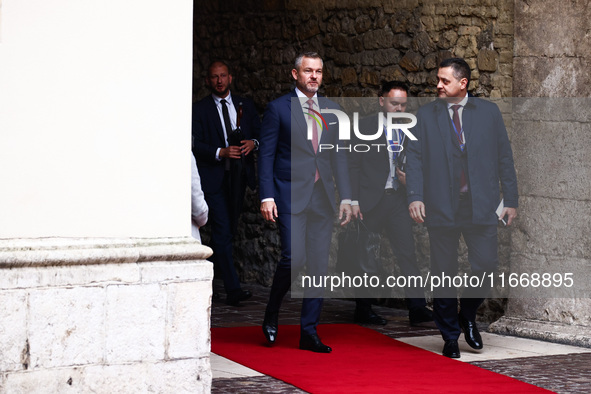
pixel 388 86
pixel 454 168
pixel 297 187
pixel 379 199
pixel 225 167
pixel 458 67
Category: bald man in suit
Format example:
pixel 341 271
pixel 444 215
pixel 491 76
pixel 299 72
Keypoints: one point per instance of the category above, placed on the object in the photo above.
pixel 214 120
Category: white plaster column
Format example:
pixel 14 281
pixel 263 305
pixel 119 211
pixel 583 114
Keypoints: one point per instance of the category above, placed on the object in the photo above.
pixel 101 286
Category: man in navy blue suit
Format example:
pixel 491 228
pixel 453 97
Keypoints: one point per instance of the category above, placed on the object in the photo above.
pixel 296 186
pixel 453 175
pixel 225 168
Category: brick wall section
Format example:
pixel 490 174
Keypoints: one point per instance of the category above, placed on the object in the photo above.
pixel 362 43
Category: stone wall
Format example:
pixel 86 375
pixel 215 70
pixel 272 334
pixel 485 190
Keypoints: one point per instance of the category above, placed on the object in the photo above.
pixel 552 55
pixel 553 233
pixel 104 315
pixel 362 43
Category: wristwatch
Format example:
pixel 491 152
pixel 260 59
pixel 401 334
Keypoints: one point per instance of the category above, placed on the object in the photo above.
pixel 256 144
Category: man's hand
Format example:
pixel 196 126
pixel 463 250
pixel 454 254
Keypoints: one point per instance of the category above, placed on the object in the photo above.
pixel 230 152
pixel 247 146
pixel 269 210
pixel 401 176
pixel 345 213
pixel 417 211
pixel 511 214
pixel 356 212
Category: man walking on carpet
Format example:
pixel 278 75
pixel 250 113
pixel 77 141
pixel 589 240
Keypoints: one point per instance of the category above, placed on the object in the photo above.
pixel 297 188
pixel 454 168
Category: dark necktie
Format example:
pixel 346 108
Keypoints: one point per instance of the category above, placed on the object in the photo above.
pixel 459 134
pixel 226 114
pixel 228 126
pixel 458 125
pixel 310 103
pixel 395 147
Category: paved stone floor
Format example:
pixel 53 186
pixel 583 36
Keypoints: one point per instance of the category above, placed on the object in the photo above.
pixel 559 368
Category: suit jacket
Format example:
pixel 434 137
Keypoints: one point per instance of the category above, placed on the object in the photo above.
pixel 369 170
pixel 208 136
pixel 429 175
pixel 280 145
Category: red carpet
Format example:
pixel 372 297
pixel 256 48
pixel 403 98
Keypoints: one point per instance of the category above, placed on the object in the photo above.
pixel 362 361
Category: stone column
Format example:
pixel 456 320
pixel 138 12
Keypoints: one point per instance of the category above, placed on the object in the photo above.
pixel 104 315
pixel 102 289
pixel 552 148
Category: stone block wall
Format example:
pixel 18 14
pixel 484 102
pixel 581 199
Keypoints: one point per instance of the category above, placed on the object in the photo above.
pixel 104 316
pixel 551 63
pixel 362 43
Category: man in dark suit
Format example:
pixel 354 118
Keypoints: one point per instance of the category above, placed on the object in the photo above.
pixel 379 199
pixel 297 187
pixel 225 168
pixel 453 174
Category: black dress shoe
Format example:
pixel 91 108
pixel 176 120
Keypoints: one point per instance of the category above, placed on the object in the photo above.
pixel 313 343
pixel 368 317
pixel 420 315
pixel 451 349
pixel 270 326
pixel 471 333
pixel 236 296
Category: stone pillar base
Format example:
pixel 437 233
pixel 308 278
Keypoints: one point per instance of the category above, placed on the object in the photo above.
pixel 105 315
pixel 543 330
